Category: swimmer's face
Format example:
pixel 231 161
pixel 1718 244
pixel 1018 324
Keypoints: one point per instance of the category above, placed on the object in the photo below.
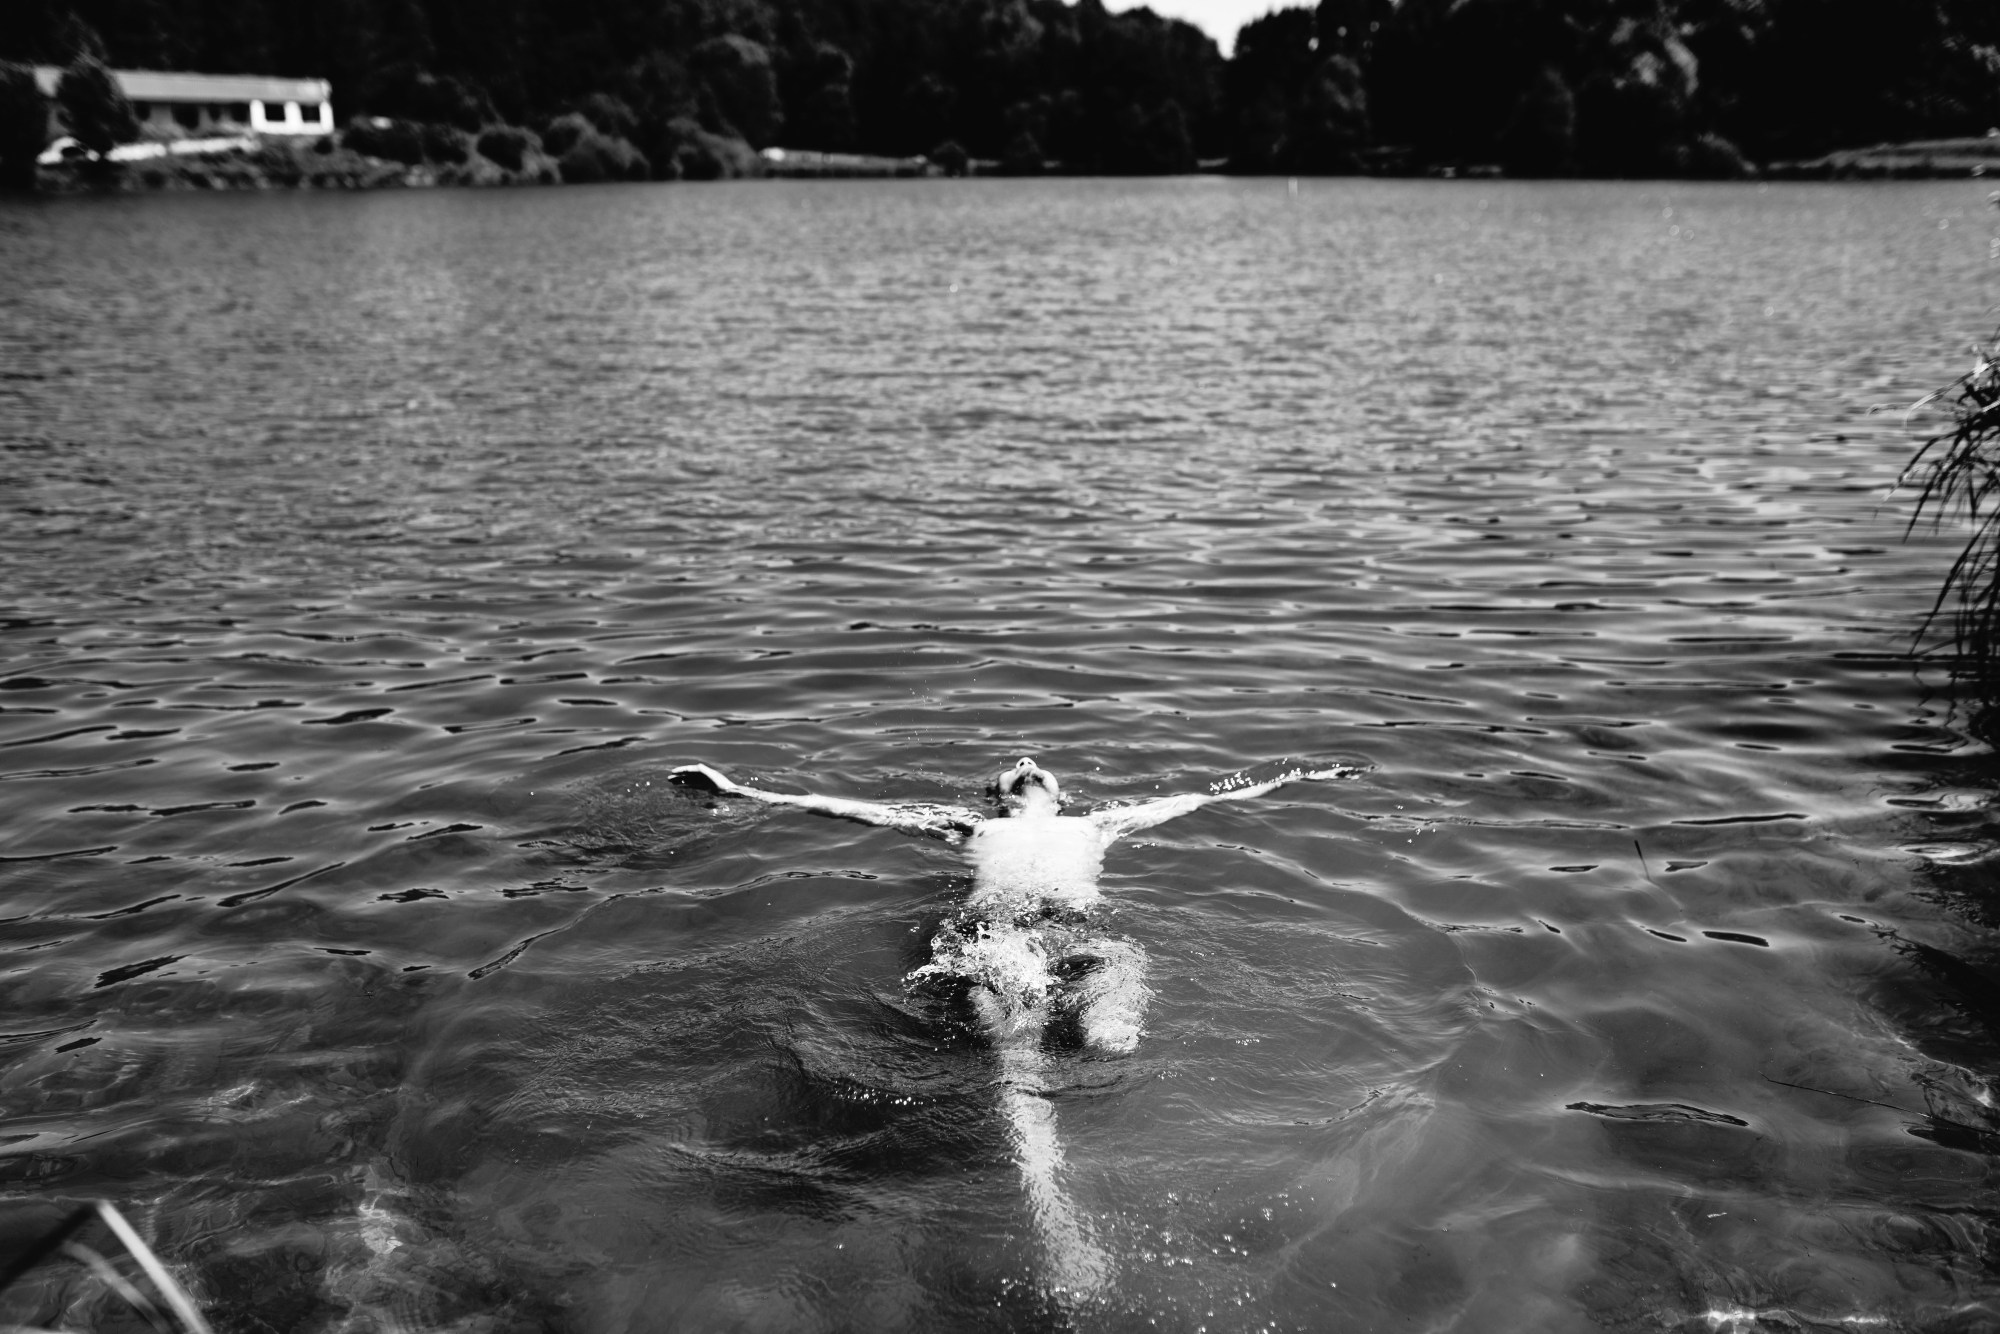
pixel 1027 787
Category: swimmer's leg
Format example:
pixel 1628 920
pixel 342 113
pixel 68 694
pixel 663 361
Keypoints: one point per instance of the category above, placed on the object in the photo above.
pixel 1076 1264
pixel 1110 997
pixel 1004 1025
pixel 1010 984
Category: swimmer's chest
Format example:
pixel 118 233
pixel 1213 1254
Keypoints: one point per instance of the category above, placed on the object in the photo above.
pixel 1061 855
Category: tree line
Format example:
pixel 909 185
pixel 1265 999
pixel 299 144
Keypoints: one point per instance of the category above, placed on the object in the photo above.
pixel 1536 87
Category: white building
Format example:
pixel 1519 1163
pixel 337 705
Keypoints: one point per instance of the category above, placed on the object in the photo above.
pixel 217 103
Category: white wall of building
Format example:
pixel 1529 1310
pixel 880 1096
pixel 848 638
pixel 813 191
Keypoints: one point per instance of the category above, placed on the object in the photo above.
pixel 291 117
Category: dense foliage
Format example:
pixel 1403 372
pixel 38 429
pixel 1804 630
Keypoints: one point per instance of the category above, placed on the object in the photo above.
pixel 94 107
pixel 1609 86
pixel 1536 86
pixel 24 126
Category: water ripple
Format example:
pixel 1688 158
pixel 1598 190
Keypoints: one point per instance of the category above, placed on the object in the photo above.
pixel 373 559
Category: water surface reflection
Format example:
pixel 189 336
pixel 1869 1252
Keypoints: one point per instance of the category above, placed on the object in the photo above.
pixel 372 558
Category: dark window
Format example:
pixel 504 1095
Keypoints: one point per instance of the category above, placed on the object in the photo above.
pixel 143 110
pixel 309 112
pixel 187 115
pixel 239 112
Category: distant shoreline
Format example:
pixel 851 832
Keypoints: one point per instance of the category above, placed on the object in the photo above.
pixel 275 163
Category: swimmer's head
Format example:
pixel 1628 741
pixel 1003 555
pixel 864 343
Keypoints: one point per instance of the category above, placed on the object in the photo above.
pixel 1026 789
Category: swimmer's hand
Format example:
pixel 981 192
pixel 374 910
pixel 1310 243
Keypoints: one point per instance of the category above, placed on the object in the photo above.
pixel 1324 775
pixel 1236 788
pixel 702 778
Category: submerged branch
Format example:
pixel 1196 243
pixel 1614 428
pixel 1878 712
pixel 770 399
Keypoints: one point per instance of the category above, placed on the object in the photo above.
pixel 186 1316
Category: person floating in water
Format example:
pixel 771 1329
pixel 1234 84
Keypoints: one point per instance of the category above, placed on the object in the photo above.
pixel 1023 940
pixel 1025 949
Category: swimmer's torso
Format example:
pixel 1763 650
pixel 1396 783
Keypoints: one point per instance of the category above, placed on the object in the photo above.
pixel 1020 865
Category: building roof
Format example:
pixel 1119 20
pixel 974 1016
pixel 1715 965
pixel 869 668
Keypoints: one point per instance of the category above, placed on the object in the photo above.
pixel 145 85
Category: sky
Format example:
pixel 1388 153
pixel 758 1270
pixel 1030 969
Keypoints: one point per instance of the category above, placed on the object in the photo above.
pixel 1218 18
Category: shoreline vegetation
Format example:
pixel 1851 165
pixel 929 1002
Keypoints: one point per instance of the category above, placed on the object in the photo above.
pixel 1921 159
pixel 427 156
pixel 503 92
pixel 333 163
pixel 448 158
pixel 1954 475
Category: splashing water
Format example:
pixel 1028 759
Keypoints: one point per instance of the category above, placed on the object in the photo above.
pixel 1009 962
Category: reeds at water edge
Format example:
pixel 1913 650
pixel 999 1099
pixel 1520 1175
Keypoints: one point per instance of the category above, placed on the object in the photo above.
pixel 1956 474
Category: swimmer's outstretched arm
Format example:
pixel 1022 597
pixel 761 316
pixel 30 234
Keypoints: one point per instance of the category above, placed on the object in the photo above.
pixel 950 823
pixel 1125 819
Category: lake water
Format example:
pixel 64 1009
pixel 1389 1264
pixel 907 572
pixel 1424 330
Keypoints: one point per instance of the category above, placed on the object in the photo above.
pixel 367 560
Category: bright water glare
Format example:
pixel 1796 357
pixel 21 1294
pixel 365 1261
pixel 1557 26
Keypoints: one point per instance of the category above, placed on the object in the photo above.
pixel 367 561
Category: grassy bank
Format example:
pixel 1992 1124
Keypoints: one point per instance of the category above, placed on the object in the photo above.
pixel 379 153
pixel 269 165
